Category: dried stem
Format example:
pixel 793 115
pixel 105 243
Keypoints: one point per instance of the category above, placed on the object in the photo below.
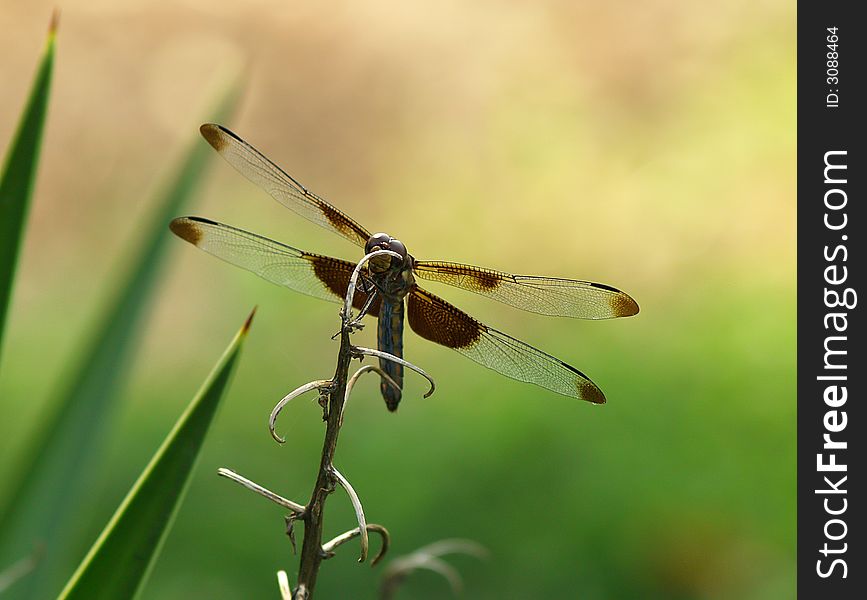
pixel 333 395
pixel 341 539
pixel 361 351
pixel 361 371
pixel 334 398
pixel 311 547
pixel 255 487
pixel 321 384
pixel 24 566
pixel 283 583
pixel 359 512
pixel 429 557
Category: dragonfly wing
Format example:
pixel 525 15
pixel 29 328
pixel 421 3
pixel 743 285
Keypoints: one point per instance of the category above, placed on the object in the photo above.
pixel 312 274
pixel 253 165
pixel 436 320
pixel 543 295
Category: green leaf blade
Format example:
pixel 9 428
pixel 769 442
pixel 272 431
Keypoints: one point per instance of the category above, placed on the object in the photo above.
pixel 19 175
pixel 56 472
pixel 123 555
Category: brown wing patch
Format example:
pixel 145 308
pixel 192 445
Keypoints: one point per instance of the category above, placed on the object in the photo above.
pixel 485 280
pixel 587 390
pixel 186 229
pixel 622 305
pixel 340 221
pixel 468 277
pixel 440 322
pixel 213 135
pixel 334 274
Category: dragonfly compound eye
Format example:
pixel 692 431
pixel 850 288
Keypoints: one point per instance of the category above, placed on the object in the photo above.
pixel 397 246
pixel 377 240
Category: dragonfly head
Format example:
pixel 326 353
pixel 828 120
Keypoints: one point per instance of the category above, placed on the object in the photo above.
pixel 383 241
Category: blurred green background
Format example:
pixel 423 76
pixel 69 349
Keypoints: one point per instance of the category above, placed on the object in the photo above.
pixel 650 146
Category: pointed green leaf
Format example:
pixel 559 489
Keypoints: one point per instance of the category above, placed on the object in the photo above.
pixel 120 560
pixel 19 173
pixel 56 474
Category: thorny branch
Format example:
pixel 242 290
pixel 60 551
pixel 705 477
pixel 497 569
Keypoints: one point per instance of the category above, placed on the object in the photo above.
pixel 333 395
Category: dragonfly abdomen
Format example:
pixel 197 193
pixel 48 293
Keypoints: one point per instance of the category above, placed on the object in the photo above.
pixel 390 339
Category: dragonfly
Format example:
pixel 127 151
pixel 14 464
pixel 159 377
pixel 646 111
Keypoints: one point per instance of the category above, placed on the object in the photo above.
pixel 392 294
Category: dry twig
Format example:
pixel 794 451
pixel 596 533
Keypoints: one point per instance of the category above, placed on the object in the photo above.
pixel 333 395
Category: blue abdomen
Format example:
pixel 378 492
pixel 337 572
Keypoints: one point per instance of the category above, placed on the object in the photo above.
pixel 390 339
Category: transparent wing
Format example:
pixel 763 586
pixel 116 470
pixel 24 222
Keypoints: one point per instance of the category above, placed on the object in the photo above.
pixel 253 165
pixel 312 274
pixel 543 295
pixel 436 320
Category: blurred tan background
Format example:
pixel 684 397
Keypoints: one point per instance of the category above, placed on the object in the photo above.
pixel 650 146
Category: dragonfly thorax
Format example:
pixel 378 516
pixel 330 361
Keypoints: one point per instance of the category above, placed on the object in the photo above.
pixel 391 276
